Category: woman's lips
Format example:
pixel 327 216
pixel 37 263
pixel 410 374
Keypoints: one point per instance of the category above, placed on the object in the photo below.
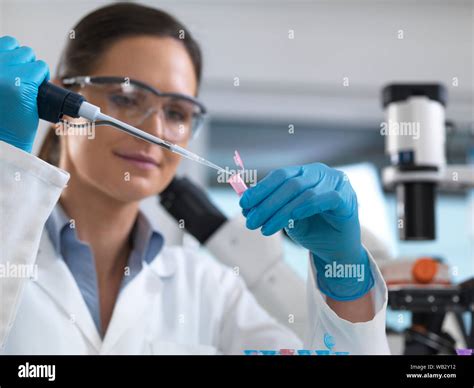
pixel 139 160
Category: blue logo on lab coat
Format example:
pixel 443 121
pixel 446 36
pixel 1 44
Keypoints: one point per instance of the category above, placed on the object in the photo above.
pixel 328 340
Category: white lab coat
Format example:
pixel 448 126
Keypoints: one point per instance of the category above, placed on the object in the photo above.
pixel 181 303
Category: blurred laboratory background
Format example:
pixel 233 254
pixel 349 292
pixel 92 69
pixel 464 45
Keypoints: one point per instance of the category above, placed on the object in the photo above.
pixel 292 82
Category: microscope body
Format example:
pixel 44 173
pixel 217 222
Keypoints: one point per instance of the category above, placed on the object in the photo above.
pixel 415 142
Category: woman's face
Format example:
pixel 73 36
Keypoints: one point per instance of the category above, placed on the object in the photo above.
pixel 108 162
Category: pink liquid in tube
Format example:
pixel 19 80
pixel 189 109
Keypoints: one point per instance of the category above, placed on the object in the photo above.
pixel 236 180
pixel 237 184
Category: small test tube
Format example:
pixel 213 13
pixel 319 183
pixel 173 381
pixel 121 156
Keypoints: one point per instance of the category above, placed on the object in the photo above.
pixel 236 180
pixel 237 184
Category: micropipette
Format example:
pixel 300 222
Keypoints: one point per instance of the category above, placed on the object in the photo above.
pixel 54 102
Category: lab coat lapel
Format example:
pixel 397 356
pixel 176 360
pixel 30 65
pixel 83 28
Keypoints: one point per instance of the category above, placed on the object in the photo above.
pixel 138 299
pixel 132 304
pixel 57 281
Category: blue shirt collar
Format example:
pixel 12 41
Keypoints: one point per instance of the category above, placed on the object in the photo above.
pixel 147 241
pixel 146 244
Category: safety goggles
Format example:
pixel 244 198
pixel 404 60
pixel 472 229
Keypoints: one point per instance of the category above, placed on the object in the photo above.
pixel 134 102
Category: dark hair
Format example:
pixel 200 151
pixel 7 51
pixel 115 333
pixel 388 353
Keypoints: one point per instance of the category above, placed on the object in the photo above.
pixel 98 30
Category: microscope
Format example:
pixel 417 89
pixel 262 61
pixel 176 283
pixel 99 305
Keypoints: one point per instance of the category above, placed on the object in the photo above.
pixel 415 136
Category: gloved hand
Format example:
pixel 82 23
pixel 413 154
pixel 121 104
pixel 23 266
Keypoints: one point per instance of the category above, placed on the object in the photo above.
pixel 318 209
pixel 20 77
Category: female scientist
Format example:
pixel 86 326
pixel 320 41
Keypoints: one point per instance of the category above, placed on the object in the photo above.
pixel 101 279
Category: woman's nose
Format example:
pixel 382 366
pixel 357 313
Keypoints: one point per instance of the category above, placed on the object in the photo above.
pixel 155 123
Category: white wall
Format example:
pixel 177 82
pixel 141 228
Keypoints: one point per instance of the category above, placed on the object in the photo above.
pixel 299 78
pixel 333 39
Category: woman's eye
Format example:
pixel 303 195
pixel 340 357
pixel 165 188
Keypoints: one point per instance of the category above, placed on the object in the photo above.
pixel 121 100
pixel 175 114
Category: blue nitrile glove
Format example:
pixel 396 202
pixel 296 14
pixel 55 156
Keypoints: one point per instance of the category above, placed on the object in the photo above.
pixel 20 77
pixel 318 209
